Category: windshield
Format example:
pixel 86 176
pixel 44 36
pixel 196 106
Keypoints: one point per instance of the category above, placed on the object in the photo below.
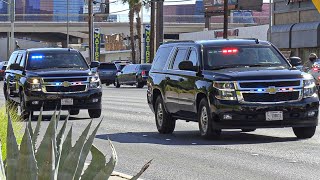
pixel 243 56
pixel 52 60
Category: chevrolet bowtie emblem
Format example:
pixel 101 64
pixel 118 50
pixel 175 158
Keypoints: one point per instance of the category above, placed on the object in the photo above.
pixel 66 84
pixel 271 90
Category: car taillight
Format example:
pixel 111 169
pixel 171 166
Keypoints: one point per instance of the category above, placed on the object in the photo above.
pixel 143 73
pixel 1 70
pixel 315 69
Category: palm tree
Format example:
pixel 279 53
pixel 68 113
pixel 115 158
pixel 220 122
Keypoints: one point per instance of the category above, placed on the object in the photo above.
pixel 132 5
pixel 137 10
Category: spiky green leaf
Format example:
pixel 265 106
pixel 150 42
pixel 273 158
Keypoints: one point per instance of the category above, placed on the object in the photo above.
pixel 85 152
pixel 27 164
pixel 143 169
pixel 49 137
pixel 47 171
pixel 69 166
pixel 60 138
pixel 58 118
pixel 2 170
pixel 106 172
pixel 12 152
pixel 37 130
pixel 29 125
pixel 97 164
pixel 66 148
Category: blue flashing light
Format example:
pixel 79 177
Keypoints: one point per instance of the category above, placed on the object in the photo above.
pixel 260 90
pixel 57 84
pixel 36 57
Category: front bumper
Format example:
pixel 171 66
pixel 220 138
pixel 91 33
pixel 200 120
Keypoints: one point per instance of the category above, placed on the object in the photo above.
pixel 295 114
pixel 90 99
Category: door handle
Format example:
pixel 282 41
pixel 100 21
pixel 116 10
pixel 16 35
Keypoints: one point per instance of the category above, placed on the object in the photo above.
pixel 181 79
pixel 167 78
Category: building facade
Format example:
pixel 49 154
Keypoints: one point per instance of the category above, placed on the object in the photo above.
pixel 296 27
pixel 45 10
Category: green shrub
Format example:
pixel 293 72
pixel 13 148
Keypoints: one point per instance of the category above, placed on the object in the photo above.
pixel 55 158
pixel 17 127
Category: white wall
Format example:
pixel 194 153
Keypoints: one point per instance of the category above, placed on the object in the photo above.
pixel 260 32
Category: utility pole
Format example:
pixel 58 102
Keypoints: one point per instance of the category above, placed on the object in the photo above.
pixel 90 12
pixel 68 23
pixel 270 22
pixel 225 20
pixel 12 13
pixel 207 20
pixel 152 30
pixel 159 26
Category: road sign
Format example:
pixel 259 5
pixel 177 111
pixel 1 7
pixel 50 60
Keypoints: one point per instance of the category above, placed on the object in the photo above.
pixel 147 43
pixel 96 43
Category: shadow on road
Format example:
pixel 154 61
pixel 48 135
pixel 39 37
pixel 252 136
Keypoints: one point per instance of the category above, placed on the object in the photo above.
pixel 62 117
pixel 193 138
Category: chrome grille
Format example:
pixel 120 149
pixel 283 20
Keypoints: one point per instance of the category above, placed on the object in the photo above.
pixel 269 91
pixel 64 85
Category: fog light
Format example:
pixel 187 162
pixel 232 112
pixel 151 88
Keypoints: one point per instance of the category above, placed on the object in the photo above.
pixel 95 100
pixel 227 117
pixel 311 113
pixel 35 102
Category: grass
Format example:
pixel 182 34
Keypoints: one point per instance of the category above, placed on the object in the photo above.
pixel 17 127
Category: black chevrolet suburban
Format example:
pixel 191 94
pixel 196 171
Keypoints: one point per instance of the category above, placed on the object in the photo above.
pixel 230 84
pixel 55 78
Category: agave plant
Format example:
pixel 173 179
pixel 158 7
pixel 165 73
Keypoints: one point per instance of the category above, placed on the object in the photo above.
pixel 55 158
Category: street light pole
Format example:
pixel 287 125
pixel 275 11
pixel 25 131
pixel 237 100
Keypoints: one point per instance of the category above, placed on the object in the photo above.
pixel 270 22
pixel 225 19
pixel 68 24
pixel 90 10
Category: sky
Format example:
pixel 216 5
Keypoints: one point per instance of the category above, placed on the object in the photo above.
pixel 118 6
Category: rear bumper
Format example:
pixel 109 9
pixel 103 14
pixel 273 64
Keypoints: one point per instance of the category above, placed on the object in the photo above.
pixel 254 116
pixel 85 100
pixel 107 79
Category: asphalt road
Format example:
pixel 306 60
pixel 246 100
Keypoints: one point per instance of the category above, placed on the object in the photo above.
pixel 263 154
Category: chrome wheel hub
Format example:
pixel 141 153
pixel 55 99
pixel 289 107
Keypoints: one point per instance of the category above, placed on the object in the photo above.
pixel 160 114
pixel 204 119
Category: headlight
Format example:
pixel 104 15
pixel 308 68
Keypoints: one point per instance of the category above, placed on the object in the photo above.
pixel 225 91
pixel 309 88
pixel 34 84
pixel 95 82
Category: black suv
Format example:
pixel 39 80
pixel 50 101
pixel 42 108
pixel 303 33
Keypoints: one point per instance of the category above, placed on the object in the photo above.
pixel 107 73
pixel 54 78
pixel 230 84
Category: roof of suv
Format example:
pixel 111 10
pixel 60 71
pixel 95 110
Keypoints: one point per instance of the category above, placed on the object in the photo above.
pixel 221 42
pixel 50 49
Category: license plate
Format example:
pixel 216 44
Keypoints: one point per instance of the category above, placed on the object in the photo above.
pixel 274 115
pixel 67 102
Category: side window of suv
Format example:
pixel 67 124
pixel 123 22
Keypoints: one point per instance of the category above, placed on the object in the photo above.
pixel 180 56
pixel 161 58
pixel 193 57
pixel 12 59
pixel 23 60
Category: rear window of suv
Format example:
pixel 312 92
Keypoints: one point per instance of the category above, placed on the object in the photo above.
pixel 253 56
pixel 107 66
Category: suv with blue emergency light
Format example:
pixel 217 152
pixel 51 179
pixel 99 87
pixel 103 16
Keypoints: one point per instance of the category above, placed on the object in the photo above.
pixel 230 84
pixel 52 78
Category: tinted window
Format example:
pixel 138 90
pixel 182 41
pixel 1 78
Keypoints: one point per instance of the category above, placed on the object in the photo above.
pixel 193 57
pixel 161 58
pixel 180 56
pixel 145 67
pixel 48 60
pixel 243 55
pixel 107 66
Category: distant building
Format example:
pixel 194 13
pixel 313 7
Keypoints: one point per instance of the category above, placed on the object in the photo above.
pixel 296 27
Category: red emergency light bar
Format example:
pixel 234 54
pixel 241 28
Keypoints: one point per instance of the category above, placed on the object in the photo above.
pixel 230 51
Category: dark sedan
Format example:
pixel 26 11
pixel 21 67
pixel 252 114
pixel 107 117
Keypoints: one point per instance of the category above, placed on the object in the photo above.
pixel 107 73
pixel 133 74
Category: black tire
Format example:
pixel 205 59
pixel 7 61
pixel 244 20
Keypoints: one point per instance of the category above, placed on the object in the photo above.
pixel 74 111
pixel 116 83
pixel 139 85
pixel 107 84
pixel 304 132
pixel 25 114
pixel 94 113
pixel 164 121
pixel 205 121
pixel 247 130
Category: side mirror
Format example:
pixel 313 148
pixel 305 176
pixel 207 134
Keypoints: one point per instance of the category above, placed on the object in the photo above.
pixel 94 64
pixel 16 67
pixel 187 65
pixel 295 61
